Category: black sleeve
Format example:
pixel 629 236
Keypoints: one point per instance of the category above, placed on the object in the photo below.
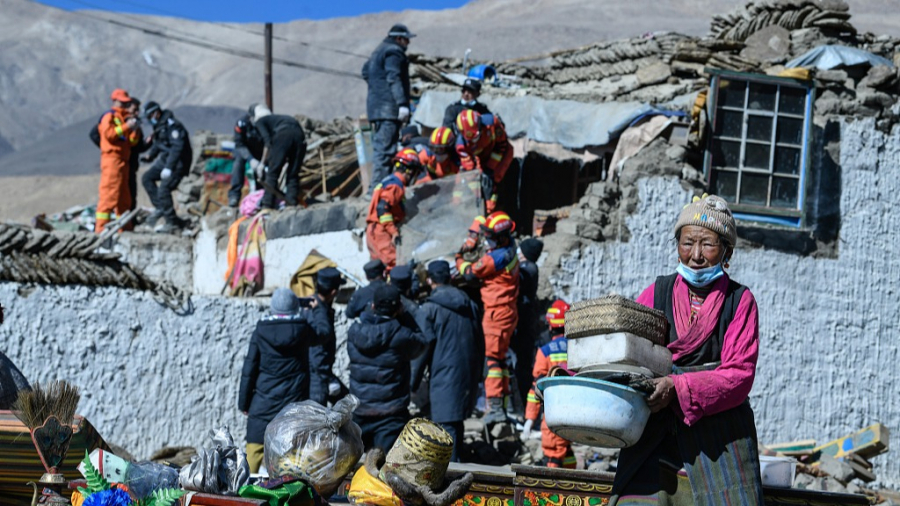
pixel 177 139
pixel 365 70
pixel 248 375
pixel 450 114
pixel 94 135
pixel 321 323
pixel 356 305
pixel 394 61
pixel 264 127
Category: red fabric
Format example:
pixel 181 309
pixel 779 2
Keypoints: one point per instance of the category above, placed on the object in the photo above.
pixel 542 366
pixel 381 245
pixel 478 154
pixel 556 447
pixel 116 140
pixel 498 323
pixel 500 284
pixel 726 387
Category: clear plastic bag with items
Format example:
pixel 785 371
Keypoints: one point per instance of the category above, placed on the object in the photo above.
pixel 317 444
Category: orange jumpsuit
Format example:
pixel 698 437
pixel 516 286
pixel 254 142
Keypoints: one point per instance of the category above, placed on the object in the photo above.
pixel 557 451
pixel 116 140
pixel 499 272
pixel 491 153
pixel 386 212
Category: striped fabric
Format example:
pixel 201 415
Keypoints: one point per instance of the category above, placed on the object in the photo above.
pixel 19 461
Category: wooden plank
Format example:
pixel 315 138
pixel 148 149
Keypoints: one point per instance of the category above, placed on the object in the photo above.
pixel 868 442
pixel 804 447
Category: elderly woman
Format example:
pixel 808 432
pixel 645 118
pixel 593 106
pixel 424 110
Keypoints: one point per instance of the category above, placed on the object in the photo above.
pixel 701 417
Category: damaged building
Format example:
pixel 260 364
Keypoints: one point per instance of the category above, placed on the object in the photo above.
pixel 783 109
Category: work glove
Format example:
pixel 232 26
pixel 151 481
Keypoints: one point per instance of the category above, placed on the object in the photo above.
pixel 403 115
pixel 334 388
pixel 166 173
pixel 396 240
pixel 526 431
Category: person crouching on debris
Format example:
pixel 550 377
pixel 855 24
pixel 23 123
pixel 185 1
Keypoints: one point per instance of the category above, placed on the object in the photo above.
pixel 557 451
pixel 387 209
pixel 700 412
pixel 276 369
pixel 118 134
pixel 285 144
pixel 482 144
pixel 173 154
pixel 380 346
pixel 498 271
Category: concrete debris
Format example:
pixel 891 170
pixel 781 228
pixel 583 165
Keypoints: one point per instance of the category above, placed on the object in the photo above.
pixel 771 44
pixel 839 470
pixel 744 21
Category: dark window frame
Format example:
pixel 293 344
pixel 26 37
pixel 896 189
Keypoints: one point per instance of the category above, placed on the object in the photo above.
pixel 790 216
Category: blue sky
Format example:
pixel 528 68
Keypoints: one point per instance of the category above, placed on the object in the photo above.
pixel 245 11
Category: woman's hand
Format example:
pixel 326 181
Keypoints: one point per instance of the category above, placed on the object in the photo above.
pixel 662 395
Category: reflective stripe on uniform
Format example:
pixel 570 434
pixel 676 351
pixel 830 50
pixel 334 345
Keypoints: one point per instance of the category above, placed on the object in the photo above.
pixel 386 218
pixel 496 156
pixel 533 398
pixel 101 216
pixel 464 266
pixel 512 265
pixel 559 357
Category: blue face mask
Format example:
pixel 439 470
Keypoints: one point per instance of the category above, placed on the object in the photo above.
pixel 468 104
pixel 700 278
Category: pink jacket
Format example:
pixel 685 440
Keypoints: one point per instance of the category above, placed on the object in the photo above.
pixel 710 392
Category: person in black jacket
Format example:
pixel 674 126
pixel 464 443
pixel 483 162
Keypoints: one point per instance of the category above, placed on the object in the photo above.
pixel 449 320
pixel 471 89
pixel 248 146
pixel 286 143
pixel 172 142
pixel 381 345
pixel 388 100
pixel 404 279
pixel 524 342
pixel 324 386
pixel 362 297
pixel 276 369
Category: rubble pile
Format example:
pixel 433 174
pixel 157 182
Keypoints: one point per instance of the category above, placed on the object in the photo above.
pixel 746 20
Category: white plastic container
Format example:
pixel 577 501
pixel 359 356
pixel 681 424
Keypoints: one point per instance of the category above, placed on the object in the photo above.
pixel 593 412
pixel 777 471
pixel 620 348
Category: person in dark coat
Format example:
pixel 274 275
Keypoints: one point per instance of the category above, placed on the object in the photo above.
pixel 403 278
pixel 524 342
pixel 381 345
pixel 284 138
pixel 276 369
pixel 248 146
pixel 449 321
pixel 324 386
pixel 362 297
pixel 388 100
pixel 471 90
pixel 172 150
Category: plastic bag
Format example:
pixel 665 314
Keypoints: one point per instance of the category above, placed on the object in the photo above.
pixel 144 478
pixel 220 470
pixel 367 490
pixel 314 443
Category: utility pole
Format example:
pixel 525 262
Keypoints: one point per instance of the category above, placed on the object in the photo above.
pixel 268 64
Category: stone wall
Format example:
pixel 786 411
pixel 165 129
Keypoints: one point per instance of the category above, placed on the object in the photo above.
pixel 828 326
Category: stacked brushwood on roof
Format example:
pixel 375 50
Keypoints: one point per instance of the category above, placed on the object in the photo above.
pixel 789 14
pixel 331 150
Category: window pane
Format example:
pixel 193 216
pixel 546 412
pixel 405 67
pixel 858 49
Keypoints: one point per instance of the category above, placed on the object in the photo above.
pixel 754 189
pixel 785 192
pixel 726 154
pixel 729 123
pixel 787 160
pixel 757 155
pixel 790 130
pixel 731 93
pixel 762 97
pixel 724 184
pixel 792 101
pixel 759 128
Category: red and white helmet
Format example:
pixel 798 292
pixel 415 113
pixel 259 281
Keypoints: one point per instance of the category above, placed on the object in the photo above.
pixel 441 140
pixel 556 314
pixel 407 159
pixel 497 224
pixel 468 124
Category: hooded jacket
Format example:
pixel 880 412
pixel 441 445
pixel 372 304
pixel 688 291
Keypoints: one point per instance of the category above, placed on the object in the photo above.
pixel 456 346
pixel 276 370
pixel 172 141
pixel 387 73
pixel 380 350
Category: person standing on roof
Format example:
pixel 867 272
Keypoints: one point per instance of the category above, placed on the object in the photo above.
pixel 362 297
pixel 387 209
pixel 482 144
pixel 388 99
pixel 118 134
pixel 498 271
pixel 471 90
pixel 248 147
pixel 173 154
pixel 324 386
pixel 286 144
pixel 557 451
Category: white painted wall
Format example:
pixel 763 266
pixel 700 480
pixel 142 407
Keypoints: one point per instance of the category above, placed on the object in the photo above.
pixel 829 354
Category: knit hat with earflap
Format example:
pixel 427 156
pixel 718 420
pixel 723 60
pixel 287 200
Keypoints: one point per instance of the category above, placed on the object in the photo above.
pixel 712 212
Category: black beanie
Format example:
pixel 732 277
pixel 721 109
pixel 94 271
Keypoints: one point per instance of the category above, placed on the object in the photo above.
pixel 531 249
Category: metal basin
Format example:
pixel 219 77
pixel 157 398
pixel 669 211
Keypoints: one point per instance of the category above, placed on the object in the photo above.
pixel 593 412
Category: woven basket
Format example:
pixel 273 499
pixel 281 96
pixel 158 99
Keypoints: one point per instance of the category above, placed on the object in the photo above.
pixel 421 454
pixel 615 313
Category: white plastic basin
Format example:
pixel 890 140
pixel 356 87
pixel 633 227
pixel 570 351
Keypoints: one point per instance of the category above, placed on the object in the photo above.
pixel 620 348
pixel 777 471
pixel 593 412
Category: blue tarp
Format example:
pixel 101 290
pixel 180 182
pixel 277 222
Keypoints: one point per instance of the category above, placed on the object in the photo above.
pixel 829 57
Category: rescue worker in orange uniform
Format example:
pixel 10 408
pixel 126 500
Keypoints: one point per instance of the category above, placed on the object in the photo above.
pixel 119 132
pixel 498 271
pixel 482 144
pixel 387 210
pixel 557 451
